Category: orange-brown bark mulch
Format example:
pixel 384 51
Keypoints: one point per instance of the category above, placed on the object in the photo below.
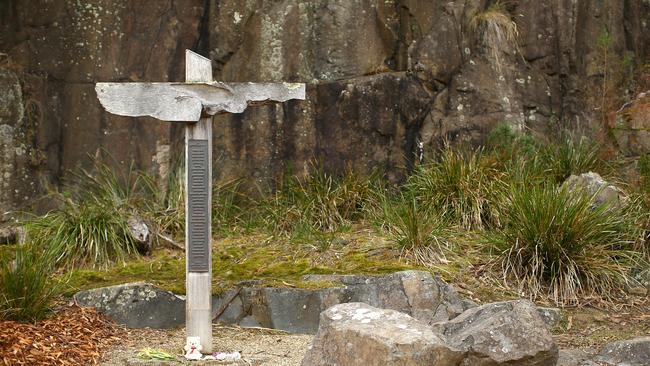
pixel 73 336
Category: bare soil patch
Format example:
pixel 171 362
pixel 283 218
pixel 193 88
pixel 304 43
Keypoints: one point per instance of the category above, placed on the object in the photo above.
pixel 257 346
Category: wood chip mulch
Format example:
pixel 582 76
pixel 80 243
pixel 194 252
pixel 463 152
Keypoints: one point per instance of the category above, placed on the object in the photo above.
pixel 74 336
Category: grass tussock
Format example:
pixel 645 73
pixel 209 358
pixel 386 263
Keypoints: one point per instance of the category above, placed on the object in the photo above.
pixel 413 225
pixel 556 243
pixel 90 228
pixel 27 287
pixel 461 183
pixel 569 156
pixel 318 202
pixel 83 235
pixel 497 29
pixel 164 204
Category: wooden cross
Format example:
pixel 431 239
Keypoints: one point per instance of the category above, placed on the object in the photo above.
pixel 194 102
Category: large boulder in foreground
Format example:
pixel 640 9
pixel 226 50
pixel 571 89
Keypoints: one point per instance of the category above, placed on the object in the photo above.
pixel 136 305
pixel 502 333
pixel 633 352
pixel 498 334
pixel 358 334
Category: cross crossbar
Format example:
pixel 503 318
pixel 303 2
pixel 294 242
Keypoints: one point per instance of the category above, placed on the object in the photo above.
pixel 183 102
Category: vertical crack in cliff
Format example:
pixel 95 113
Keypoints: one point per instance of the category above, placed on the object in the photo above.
pixel 202 44
pixel 164 18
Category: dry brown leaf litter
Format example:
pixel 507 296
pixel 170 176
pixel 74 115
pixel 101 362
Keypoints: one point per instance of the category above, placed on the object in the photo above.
pixel 74 336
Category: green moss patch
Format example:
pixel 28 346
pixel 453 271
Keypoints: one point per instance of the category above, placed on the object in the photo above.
pixel 271 260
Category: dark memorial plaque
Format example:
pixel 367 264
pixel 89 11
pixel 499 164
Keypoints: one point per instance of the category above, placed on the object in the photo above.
pixel 199 206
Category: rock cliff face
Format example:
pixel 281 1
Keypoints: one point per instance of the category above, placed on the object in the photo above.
pixel 384 76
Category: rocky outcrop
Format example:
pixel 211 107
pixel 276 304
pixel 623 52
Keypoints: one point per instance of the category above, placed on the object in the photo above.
pixel 59 49
pixel 385 77
pixel 633 352
pixel 351 122
pixel 507 333
pixel 18 151
pixel 358 334
pixel 416 293
pixel 136 305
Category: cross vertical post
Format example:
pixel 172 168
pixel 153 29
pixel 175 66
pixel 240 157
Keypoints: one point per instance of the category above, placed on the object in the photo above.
pixel 198 212
pixel 193 103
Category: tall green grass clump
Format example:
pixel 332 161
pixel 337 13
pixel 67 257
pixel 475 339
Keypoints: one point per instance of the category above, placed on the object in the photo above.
pixel 462 183
pixel 414 226
pixel 164 206
pixel 90 228
pixel 81 235
pixel 317 202
pixel 568 156
pixel 556 243
pixel 26 285
pixel 516 155
pixel 229 205
pixel 507 144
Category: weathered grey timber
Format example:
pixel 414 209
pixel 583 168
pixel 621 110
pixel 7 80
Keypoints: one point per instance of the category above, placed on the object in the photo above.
pixel 198 203
pixel 194 103
pixel 183 102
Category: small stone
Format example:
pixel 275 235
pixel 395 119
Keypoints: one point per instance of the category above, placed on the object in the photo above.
pixel 550 316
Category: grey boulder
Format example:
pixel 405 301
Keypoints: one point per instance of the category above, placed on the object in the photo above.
pixel 358 334
pixel 136 305
pixel 497 334
pixel 594 185
pixel 633 352
pixel 502 333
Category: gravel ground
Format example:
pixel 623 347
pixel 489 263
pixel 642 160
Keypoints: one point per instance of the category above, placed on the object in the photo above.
pixel 257 346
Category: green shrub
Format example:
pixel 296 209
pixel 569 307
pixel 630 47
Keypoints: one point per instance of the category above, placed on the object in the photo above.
pixel 26 285
pixel 556 243
pixel 508 144
pixel 83 234
pixel 463 184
